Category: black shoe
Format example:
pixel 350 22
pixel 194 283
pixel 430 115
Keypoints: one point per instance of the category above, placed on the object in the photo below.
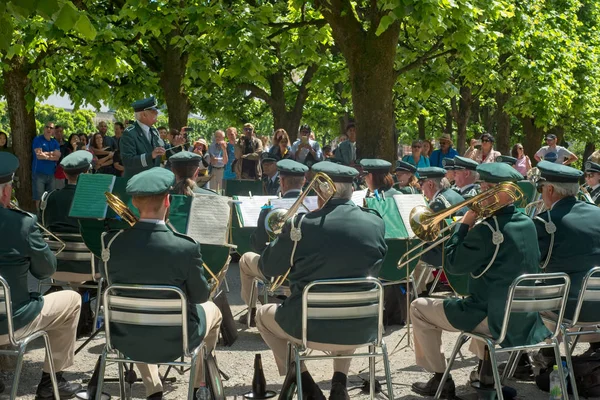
pixel 430 387
pixel 522 372
pixel 158 395
pixel 338 392
pixel 312 393
pixel 66 390
pixel 244 318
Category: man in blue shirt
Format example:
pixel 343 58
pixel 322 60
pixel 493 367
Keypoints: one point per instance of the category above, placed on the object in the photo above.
pixel 306 151
pixel 46 152
pixel 445 151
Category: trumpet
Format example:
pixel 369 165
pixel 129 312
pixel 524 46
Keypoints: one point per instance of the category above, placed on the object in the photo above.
pixel 426 224
pixel 120 208
pixel 276 219
pixel 56 240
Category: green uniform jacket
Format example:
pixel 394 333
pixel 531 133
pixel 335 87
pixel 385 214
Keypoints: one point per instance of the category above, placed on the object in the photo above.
pixel 23 250
pixel 469 191
pixel 444 199
pixel 408 190
pixel 136 150
pixel 343 153
pixel 576 246
pixel 151 254
pixel 270 187
pixel 341 240
pixel 595 194
pixel 470 251
pixel 55 217
pixel 260 237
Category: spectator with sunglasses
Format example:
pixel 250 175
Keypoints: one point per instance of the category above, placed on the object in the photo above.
pixel 251 148
pixel 592 179
pixel 486 154
pixel 416 158
pixel 553 153
pixel 46 152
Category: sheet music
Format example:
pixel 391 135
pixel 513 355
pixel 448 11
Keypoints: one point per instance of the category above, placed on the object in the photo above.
pixel 310 203
pixel 249 208
pixel 89 200
pixel 209 219
pixel 358 197
pixel 405 204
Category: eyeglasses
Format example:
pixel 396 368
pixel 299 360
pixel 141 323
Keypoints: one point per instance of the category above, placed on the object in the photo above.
pixel 549 140
pixel 589 175
pixel 416 147
pixel 540 187
pixel 485 140
pixel 247 129
pixel 49 127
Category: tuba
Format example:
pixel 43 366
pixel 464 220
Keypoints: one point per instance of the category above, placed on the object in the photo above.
pixel 277 218
pixel 54 239
pixel 426 224
pixel 120 208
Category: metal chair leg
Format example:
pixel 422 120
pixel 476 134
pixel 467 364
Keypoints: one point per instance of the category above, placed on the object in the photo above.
pixel 193 369
pixel 253 300
pixel 511 365
pixel 122 389
pixel 459 343
pixel 388 374
pixel 372 372
pixel 569 362
pixel 494 362
pixel 98 303
pixel 48 351
pixel 298 374
pixel 561 372
pixel 18 367
pixel 435 282
pixel 101 374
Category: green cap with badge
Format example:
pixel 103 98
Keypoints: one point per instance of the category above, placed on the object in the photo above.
pixel 185 157
pixel 144 104
pixel 8 165
pixel 291 168
pixel 77 162
pixel 465 163
pixel 267 158
pixel 507 160
pixel 591 166
pixel 151 182
pixel 431 173
pixel 404 166
pixel 559 173
pixel 375 165
pixel 498 172
pixel 448 164
pixel 337 172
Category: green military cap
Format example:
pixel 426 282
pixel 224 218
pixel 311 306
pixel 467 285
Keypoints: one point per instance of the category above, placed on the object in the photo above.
pixel 144 104
pixel 507 160
pixel 592 167
pixel 151 182
pixel 185 157
pixel 8 165
pixel 431 172
pixel 404 166
pixel 266 158
pixel 498 172
pixel 291 168
pixel 77 162
pixel 448 164
pixel 465 163
pixel 552 172
pixel 337 172
pixel 375 165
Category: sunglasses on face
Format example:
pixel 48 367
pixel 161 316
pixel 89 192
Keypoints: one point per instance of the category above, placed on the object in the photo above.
pixel 49 127
pixel 485 140
pixel 247 129
pixel 589 175
pixel 416 147
pixel 549 140
pixel 540 187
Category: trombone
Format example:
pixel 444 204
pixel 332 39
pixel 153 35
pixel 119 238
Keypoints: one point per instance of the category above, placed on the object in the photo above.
pixel 277 218
pixel 55 239
pixel 426 224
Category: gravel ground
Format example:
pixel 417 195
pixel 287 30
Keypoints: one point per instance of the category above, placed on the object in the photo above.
pixel 237 362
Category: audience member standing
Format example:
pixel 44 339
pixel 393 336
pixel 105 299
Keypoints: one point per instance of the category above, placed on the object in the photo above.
pixel 486 154
pixel 427 148
pixel 281 145
pixel 523 164
pixel 119 128
pixel 346 150
pixel 417 158
pixel 553 153
pixel 4 142
pixel 46 152
pixel 104 156
pixel 59 174
pixel 445 151
pixel 305 150
pixel 231 143
pixel 251 148
pixel 107 141
pixel 218 159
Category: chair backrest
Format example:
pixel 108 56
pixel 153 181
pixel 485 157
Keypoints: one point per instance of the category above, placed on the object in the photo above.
pixel 6 309
pixel 138 305
pixel 524 296
pixel 589 292
pixel 75 249
pixel 358 298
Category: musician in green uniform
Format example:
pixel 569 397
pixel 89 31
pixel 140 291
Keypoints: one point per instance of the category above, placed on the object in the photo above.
pixel 507 160
pixel 408 183
pixel 340 240
pixel 186 167
pixel 23 251
pixel 448 165
pixel 492 253
pixel 592 179
pixel 141 146
pixel 151 254
pixel 292 179
pixel 270 177
pixel 379 180
pixel 55 207
pixel 466 177
pixel 568 235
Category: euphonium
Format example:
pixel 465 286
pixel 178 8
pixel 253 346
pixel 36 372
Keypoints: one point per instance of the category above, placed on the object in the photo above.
pixel 61 244
pixel 426 224
pixel 120 208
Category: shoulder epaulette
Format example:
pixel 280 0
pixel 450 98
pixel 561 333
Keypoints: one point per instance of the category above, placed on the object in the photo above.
pixel 23 212
pixel 370 210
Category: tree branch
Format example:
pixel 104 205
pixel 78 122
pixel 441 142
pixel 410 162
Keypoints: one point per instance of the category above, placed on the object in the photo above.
pixel 257 92
pixel 286 26
pixel 303 89
pixel 427 56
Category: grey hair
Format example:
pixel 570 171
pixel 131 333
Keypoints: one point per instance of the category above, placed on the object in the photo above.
pixel 138 115
pixel 214 135
pixel 343 190
pixel 474 174
pixel 440 183
pixel 294 182
pixel 564 189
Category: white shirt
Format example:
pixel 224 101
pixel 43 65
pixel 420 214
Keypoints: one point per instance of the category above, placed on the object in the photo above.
pixel 555 154
pixel 153 221
pixel 146 130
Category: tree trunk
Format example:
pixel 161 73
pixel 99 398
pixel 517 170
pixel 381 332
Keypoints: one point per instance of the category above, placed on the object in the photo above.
pixel 533 137
pixel 171 82
pixel 421 126
pixel 475 111
pixel 462 118
pixel 487 120
pixel 502 124
pixel 590 147
pixel 17 87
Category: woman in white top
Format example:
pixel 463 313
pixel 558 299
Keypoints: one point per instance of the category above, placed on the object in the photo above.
pixel 523 163
pixel 486 154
